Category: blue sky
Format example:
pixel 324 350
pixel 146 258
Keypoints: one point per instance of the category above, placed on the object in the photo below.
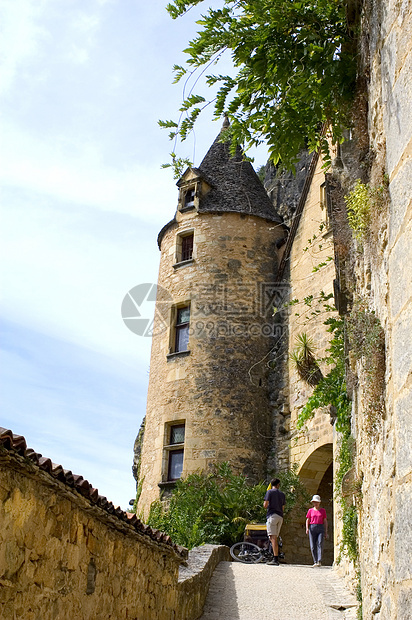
pixel 83 197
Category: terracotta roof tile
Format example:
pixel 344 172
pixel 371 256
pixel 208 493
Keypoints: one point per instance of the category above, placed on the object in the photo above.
pixel 17 444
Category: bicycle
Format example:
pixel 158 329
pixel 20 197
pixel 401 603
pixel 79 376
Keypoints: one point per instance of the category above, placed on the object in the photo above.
pixel 249 553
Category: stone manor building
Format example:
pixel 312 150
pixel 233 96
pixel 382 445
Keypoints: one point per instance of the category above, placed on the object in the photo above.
pixel 220 387
pixel 219 256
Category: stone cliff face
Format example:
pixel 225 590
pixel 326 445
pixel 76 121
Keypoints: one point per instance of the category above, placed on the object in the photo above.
pixel 384 274
pixel 285 188
pixel 376 268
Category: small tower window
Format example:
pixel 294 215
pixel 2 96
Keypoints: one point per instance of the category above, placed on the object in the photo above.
pixel 189 198
pixel 187 247
pixel 175 467
pixel 182 329
pixel 177 434
pixel 174 450
pixel 184 247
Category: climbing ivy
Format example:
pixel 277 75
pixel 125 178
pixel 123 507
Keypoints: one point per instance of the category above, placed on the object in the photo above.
pixel 349 542
pixel 331 390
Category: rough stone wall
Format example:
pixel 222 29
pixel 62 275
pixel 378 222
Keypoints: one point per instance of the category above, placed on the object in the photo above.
pixel 219 389
pixel 194 579
pixel 61 557
pixel 383 278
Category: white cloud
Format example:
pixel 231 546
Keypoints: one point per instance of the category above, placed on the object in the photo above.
pixel 66 170
pixel 83 33
pixel 20 37
pixel 86 24
pixel 79 55
pixel 69 269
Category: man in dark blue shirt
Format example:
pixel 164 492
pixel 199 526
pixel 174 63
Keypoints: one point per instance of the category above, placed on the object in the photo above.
pixel 274 502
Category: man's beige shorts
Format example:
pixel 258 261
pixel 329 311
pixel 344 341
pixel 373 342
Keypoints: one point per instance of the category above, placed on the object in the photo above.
pixel 273 525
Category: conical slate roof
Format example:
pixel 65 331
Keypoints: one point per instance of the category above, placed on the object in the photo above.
pixel 235 185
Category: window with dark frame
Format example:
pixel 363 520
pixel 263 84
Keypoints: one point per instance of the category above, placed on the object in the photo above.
pixel 175 465
pixel 187 247
pixel 177 434
pixel 176 437
pixel 182 329
pixel 189 198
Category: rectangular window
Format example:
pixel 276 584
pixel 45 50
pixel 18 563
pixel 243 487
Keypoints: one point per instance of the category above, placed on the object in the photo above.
pixel 182 329
pixel 177 434
pixel 187 248
pixel 174 450
pixel 175 467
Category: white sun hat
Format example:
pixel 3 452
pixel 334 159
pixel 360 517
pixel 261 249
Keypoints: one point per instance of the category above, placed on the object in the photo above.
pixel 316 498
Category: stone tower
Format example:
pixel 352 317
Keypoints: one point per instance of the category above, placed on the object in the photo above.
pixel 208 396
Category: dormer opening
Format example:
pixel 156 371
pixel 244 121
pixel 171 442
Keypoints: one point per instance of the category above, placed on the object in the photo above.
pixel 189 200
pixel 188 197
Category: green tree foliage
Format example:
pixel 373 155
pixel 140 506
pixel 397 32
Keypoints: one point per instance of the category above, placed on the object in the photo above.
pixel 294 72
pixel 215 507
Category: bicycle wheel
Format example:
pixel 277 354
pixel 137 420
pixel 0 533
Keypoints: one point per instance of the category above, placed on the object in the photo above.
pixel 245 552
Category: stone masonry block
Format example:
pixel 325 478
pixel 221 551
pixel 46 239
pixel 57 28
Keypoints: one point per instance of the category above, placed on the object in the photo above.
pixel 404 604
pixel 403 534
pixel 403 429
pixel 399 272
pixel 401 194
pixel 402 352
pixel 397 117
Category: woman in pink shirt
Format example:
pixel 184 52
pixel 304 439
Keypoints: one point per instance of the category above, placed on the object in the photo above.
pixel 317 528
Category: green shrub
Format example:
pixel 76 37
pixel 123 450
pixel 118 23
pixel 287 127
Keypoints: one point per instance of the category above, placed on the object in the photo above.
pixel 358 204
pixel 215 507
pixel 367 344
pixel 362 203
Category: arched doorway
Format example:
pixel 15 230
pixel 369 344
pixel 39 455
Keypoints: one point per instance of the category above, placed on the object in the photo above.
pixel 316 473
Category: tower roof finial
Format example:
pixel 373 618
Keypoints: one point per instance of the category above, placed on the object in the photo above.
pixel 226 122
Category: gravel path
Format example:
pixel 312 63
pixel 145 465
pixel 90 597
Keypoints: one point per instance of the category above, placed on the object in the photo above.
pixel 260 592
